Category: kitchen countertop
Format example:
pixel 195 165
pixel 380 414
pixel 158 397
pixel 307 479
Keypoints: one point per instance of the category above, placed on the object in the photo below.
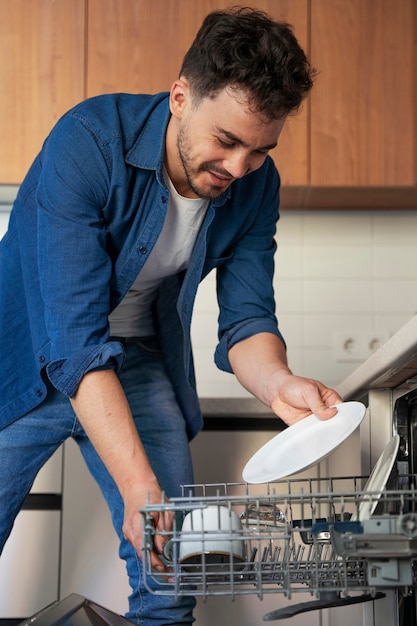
pixel 239 414
pixel 234 407
pixel 393 365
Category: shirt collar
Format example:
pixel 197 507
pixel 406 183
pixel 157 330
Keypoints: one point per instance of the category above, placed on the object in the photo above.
pixel 149 149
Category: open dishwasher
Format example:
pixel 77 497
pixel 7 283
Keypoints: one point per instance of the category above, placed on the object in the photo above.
pixel 335 538
pixel 326 536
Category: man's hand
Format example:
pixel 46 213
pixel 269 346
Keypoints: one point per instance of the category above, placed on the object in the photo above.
pixel 133 530
pixel 298 397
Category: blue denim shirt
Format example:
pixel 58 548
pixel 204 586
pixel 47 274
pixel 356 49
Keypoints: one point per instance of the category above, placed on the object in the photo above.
pixel 85 220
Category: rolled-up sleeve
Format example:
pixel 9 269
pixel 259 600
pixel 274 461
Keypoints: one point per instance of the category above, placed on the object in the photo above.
pixel 66 374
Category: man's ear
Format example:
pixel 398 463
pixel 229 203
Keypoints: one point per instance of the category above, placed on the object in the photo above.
pixel 179 97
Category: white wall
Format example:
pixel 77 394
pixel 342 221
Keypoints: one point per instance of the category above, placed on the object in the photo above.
pixel 338 273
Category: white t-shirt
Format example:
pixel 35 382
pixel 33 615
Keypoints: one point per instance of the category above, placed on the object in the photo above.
pixel 171 254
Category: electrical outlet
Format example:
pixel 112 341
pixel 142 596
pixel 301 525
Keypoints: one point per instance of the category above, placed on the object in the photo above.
pixel 356 347
pixel 349 347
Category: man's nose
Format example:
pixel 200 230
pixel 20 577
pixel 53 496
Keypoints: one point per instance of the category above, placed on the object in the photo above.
pixel 237 165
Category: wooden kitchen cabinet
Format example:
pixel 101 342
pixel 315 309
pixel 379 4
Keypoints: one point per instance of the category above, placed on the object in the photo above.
pixel 354 144
pixel 363 107
pixel 41 75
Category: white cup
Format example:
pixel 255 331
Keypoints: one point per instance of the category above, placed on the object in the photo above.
pixel 211 539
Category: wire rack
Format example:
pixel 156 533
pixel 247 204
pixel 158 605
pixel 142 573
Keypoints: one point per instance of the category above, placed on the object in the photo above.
pixel 295 535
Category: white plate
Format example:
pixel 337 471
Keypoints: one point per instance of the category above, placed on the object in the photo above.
pixel 303 444
pixel 377 481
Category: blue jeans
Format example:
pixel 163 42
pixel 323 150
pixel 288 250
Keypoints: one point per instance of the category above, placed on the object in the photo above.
pixel 28 443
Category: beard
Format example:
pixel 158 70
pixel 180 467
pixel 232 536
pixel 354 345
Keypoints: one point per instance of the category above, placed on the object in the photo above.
pixel 192 172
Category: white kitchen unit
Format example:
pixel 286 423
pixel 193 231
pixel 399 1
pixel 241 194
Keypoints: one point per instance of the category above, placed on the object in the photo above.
pixel 29 565
pixel 90 564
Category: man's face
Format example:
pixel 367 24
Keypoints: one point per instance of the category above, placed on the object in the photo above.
pixel 218 141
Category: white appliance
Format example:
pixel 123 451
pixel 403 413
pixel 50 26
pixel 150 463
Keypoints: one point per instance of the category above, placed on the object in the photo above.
pixel 388 383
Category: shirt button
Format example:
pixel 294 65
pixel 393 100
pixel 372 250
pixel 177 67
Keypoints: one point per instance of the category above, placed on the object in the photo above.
pixel 143 249
pixel 164 199
pixel 39 393
pixel 41 359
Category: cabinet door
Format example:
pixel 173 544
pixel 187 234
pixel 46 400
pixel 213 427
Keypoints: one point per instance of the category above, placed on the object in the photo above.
pixel 138 46
pixel 363 110
pixel 29 565
pixel 41 75
pixel 291 154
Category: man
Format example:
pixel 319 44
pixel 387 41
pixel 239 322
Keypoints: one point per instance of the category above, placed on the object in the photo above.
pixel 131 202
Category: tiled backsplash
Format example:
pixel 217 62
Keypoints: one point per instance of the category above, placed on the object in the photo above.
pixel 338 274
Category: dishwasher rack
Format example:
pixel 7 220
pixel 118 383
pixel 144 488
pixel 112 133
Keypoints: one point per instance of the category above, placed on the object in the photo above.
pixel 312 541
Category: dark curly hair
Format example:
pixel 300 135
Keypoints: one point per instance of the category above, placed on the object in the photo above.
pixel 243 48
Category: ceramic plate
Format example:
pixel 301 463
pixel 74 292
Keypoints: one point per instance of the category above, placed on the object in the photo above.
pixel 377 481
pixel 303 444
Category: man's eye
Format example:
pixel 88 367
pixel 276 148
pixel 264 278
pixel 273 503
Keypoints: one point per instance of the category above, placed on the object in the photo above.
pixel 226 144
